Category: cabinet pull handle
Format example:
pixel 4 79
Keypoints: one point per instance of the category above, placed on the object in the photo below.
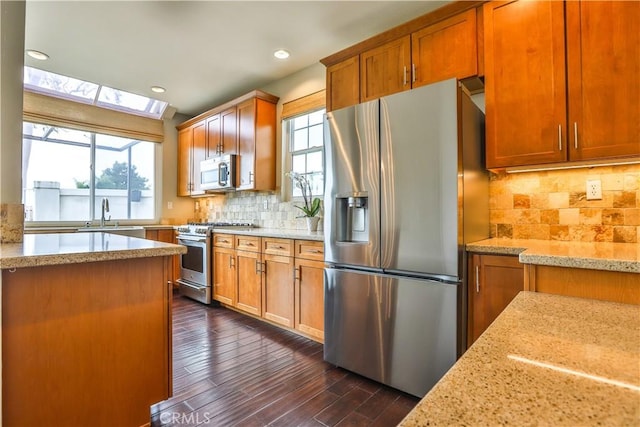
pixel 404 76
pixel 250 177
pixel 258 271
pixel 264 268
pixel 477 279
pixel 575 134
pixel 413 73
pixel 296 273
pixel 560 137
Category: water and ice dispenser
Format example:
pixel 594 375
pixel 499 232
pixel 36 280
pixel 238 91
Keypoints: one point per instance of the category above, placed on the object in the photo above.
pixel 352 218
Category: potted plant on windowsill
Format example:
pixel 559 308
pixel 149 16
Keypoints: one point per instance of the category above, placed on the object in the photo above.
pixel 312 206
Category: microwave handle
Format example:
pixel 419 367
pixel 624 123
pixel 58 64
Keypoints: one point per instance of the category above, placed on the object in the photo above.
pixel 223 174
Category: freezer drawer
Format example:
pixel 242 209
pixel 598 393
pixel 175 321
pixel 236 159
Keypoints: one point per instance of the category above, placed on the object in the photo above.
pixel 399 331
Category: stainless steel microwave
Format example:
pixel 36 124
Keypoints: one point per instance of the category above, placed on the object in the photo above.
pixel 218 173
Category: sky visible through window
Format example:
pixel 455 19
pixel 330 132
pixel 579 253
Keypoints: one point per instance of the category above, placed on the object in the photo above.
pixel 90 93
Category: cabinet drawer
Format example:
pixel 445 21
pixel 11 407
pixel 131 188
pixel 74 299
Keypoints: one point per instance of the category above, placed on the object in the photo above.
pixel 277 246
pixel 223 240
pixel 248 243
pixel 310 249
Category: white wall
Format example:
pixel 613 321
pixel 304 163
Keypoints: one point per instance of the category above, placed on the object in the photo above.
pixel 11 69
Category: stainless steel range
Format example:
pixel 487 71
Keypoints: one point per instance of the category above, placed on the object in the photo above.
pixel 196 269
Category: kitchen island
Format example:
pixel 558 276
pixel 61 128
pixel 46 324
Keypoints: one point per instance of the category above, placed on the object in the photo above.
pixel 86 329
pixel 546 360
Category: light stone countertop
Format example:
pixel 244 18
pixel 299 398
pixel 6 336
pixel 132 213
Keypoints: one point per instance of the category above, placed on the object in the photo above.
pixel 71 248
pixel 624 257
pixel 279 233
pixel 546 360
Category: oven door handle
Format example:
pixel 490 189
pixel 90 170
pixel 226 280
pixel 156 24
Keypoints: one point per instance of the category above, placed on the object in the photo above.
pixel 191 239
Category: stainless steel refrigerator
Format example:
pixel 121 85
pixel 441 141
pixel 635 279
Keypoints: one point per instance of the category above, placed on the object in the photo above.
pixel 405 189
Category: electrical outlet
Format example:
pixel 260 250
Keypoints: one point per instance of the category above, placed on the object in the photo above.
pixel 265 205
pixel 594 189
pixel 169 205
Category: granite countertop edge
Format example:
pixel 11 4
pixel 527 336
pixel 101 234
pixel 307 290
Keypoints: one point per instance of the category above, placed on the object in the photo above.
pixel 12 254
pixel 553 253
pixel 278 233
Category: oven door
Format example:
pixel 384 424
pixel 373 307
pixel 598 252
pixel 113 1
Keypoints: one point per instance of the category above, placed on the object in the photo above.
pixel 195 268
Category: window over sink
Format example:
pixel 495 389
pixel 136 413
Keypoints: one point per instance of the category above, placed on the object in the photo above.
pixel 66 173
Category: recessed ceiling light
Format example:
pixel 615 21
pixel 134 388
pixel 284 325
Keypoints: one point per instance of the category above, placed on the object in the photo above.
pixel 281 54
pixel 35 54
pixel 158 89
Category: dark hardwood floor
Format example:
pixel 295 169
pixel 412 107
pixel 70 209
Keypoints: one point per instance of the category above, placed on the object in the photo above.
pixel 233 370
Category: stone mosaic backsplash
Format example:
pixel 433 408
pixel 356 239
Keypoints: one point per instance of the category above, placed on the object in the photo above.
pixel 552 205
pixel 11 222
pixel 264 209
pixel 547 205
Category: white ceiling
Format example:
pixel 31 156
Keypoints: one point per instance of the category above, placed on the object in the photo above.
pixel 203 52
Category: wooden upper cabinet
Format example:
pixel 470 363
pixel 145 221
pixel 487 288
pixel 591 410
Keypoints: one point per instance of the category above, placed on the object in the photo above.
pixel 603 62
pixel 257 144
pixel 185 138
pixel 386 69
pixel 214 136
pixel 445 50
pixel 191 151
pixel 525 90
pixel 199 153
pixel 343 84
pixel 229 131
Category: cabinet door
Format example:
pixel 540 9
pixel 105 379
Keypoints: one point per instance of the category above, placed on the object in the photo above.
pixel 386 69
pixel 495 281
pixel 525 90
pixel 257 145
pixel 214 136
pixel 309 297
pixel 343 84
pixel 445 50
pixel 249 282
pixel 185 138
pixel 603 60
pixel 199 152
pixel 229 131
pixel 224 275
pixel 278 293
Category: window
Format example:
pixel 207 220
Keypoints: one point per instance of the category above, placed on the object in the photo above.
pixel 61 86
pixel 305 134
pixel 64 170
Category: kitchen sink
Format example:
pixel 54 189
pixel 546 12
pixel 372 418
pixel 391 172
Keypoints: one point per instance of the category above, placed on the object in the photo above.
pixel 126 230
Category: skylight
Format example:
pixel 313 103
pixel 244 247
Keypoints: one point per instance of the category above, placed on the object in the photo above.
pixel 90 93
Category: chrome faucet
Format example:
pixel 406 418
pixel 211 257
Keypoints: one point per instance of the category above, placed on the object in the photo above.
pixel 105 208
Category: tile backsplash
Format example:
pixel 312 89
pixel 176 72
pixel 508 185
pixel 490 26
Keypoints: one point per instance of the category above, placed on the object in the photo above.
pixel 262 208
pixel 548 205
pixel 552 205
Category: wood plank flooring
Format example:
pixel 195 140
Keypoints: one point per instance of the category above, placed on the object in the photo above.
pixel 233 370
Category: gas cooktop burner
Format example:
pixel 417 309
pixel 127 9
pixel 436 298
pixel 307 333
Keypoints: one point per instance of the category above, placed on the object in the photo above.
pixel 223 224
pixel 204 228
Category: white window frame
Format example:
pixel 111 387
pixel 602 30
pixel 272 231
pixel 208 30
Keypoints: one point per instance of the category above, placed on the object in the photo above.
pixel 287 124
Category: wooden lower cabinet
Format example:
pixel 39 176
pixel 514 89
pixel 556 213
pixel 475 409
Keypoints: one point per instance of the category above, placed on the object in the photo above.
pixel 494 281
pixel 309 297
pixel 224 275
pixel 279 280
pixel 86 344
pixel 249 282
pixel 167 235
pixel 615 286
pixel 278 292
